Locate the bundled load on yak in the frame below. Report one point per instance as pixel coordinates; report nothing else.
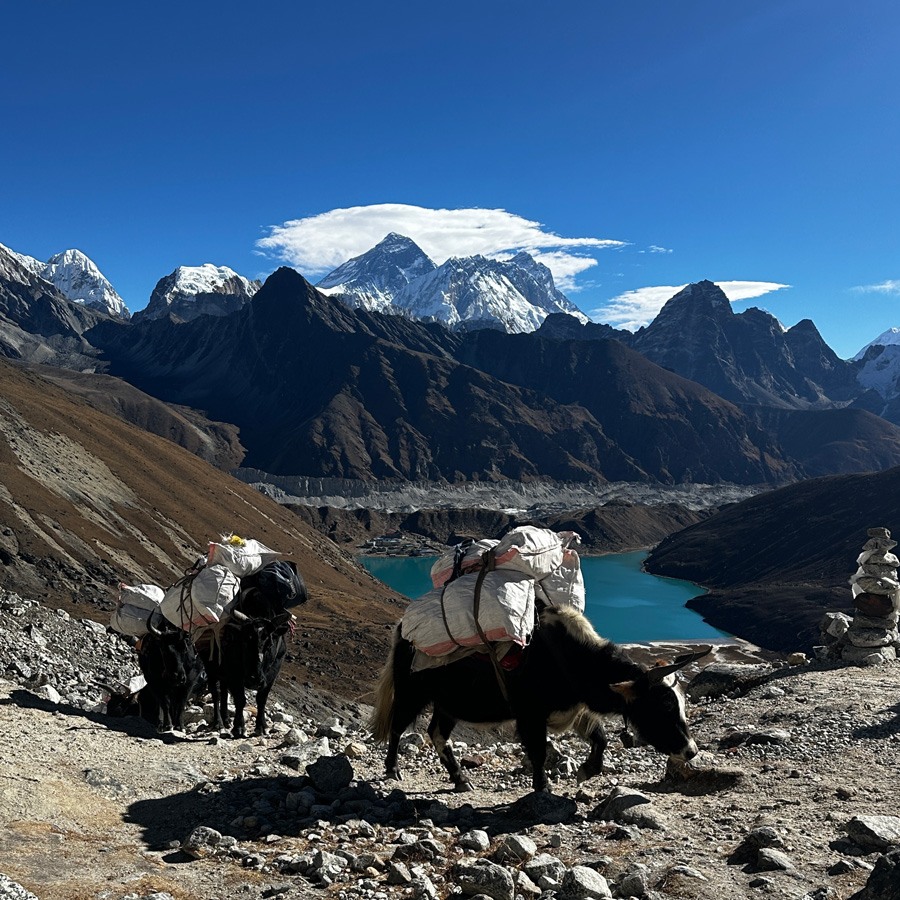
(486, 592)
(135, 604)
(234, 571)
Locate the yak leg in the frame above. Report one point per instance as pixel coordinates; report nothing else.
(165, 712)
(262, 695)
(238, 730)
(219, 695)
(533, 735)
(179, 702)
(439, 731)
(404, 712)
(591, 729)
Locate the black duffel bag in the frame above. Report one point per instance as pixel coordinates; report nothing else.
(275, 587)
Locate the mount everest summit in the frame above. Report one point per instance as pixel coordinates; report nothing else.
(464, 293)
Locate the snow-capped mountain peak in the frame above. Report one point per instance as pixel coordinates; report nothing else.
(77, 278)
(207, 279)
(192, 291)
(372, 279)
(885, 339)
(396, 276)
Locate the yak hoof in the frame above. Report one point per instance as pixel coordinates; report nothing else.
(393, 775)
(463, 787)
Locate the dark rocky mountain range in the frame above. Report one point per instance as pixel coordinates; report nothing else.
(88, 501)
(679, 430)
(747, 357)
(316, 387)
(777, 561)
(346, 394)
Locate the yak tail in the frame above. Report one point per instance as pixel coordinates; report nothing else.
(396, 667)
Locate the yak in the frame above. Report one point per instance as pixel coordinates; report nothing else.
(566, 670)
(170, 664)
(249, 654)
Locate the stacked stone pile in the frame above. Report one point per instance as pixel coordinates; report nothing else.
(870, 637)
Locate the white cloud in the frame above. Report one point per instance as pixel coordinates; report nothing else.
(891, 286)
(635, 308)
(639, 307)
(655, 248)
(747, 290)
(318, 244)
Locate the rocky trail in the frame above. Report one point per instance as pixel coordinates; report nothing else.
(794, 795)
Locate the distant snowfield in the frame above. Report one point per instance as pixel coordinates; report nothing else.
(508, 496)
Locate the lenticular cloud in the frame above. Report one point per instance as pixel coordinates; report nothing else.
(318, 244)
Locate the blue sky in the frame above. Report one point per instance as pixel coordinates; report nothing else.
(740, 142)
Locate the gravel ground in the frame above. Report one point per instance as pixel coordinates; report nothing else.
(97, 807)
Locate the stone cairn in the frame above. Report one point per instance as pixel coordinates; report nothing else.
(871, 636)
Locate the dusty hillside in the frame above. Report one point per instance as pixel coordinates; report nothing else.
(87, 501)
(95, 808)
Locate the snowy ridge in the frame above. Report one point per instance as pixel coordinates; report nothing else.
(35, 266)
(397, 277)
(192, 291)
(77, 278)
(885, 339)
(209, 279)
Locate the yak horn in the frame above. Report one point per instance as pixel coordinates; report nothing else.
(241, 617)
(658, 673)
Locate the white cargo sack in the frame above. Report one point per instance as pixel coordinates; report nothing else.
(564, 586)
(240, 556)
(506, 613)
(199, 601)
(133, 608)
(471, 561)
(535, 552)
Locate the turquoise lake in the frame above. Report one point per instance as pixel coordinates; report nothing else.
(624, 603)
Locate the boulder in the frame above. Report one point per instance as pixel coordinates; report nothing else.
(884, 882)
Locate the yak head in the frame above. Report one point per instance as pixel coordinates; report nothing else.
(167, 656)
(655, 705)
(259, 645)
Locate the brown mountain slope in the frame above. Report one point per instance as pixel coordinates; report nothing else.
(776, 561)
(87, 500)
(216, 442)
